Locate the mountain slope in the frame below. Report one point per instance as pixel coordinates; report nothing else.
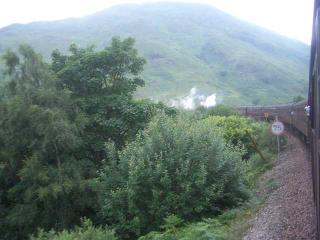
(186, 45)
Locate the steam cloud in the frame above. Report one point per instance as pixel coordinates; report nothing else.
(193, 100)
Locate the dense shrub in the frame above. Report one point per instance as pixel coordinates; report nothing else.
(176, 166)
(85, 232)
(208, 229)
(235, 130)
(241, 131)
(249, 136)
(220, 110)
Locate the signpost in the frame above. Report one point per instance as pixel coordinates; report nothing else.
(277, 129)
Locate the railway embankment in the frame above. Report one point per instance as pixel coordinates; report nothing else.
(288, 210)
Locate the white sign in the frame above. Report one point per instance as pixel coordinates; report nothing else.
(277, 128)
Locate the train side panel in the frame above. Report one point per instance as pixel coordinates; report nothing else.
(292, 115)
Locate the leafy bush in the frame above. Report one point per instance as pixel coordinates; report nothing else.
(85, 232)
(241, 131)
(221, 110)
(249, 136)
(171, 223)
(176, 166)
(209, 229)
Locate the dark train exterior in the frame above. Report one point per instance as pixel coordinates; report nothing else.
(292, 115)
(313, 101)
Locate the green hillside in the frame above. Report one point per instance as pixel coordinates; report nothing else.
(186, 45)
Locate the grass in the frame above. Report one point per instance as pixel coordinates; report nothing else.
(231, 225)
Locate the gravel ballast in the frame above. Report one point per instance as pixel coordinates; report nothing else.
(288, 212)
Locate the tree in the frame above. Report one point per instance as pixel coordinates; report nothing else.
(54, 123)
(102, 84)
(41, 173)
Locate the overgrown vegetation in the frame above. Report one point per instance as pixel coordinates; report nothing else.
(298, 99)
(218, 110)
(54, 122)
(180, 167)
(85, 232)
(230, 224)
(76, 149)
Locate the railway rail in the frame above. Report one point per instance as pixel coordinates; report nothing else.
(307, 124)
(297, 119)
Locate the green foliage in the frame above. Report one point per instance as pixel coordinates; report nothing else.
(218, 110)
(232, 223)
(55, 120)
(171, 223)
(114, 70)
(255, 165)
(236, 130)
(209, 229)
(186, 45)
(102, 84)
(248, 135)
(69, 148)
(298, 99)
(41, 171)
(85, 232)
(176, 166)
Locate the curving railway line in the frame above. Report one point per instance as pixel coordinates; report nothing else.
(295, 116)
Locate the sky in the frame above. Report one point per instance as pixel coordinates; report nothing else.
(291, 18)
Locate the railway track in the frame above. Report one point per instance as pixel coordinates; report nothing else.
(296, 119)
(307, 125)
(288, 210)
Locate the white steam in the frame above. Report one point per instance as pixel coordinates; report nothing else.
(193, 100)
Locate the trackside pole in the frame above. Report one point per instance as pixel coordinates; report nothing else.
(278, 143)
(277, 129)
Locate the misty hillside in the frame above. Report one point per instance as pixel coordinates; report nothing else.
(186, 45)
